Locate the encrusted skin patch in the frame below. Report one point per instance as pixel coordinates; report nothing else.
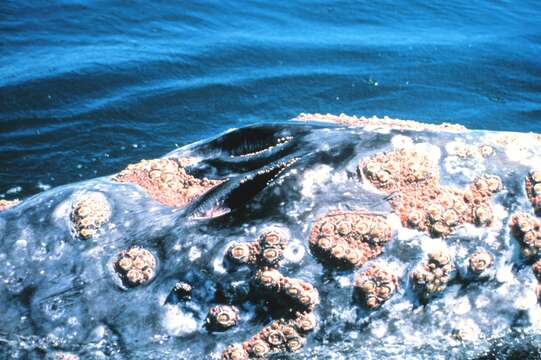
(375, 286)
(532, 184)
(431, 277)
(349, 239)
(135, 266)
(266, 251)
(7, 204)
(385, 122)
(89, 212)
(167, 181)
(421, 202)
(527, 230)
(297, 295)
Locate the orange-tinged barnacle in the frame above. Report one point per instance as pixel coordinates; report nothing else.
(339, 251)
(222, 317)
(139, 263)
(529, 237)
(483, 215)
(354, 256)
(294, 344)
(84, 211)
(269, 279)
(235, 352)
(272, 255)
(325, 243)
(275, 338)
(343, 227)
(259, 348)
(435, 211)
(372, 168)
(524, 223)
(368, 286)
(327, 228)
(479, 261)
(415, 217)
(486, 150)
(362, 226)
(305, 322)
(450, 217)
(372, 302)
(535, 175)
(273, 237)
(494, 183)
(134, 276)
(239, 252)
(383, 176)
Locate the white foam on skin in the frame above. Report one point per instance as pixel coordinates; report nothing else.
(314, 178)
(178, 323)
(401, 141)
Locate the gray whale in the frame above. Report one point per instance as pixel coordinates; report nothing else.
(458, 240)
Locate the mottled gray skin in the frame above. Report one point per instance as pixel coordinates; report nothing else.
(60, 293)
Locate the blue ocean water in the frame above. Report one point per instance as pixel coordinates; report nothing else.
(87, 87)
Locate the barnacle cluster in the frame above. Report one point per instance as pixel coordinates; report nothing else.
(526, 230)
(135, 266)
(533, 189)
(385, 122)
(349, 238)
(375, 286)
(182, 291)
(279, 336)
(422, 202)
(266, 251)
(167, 181)
(431, 277)
(88, 213)
(463, 150)
(222, 317)
(6, 204)
(297, 295)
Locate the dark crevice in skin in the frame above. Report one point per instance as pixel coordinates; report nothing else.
(248, 141)
(236, 193)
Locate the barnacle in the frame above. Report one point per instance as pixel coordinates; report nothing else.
(422, 202)
(375, 286)
(269, 280)
(88, 214)
(349, 238)
(235, 352)
(243, 253)
(167, 181)
(479, 262)
(135, 266)
(222, 317)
